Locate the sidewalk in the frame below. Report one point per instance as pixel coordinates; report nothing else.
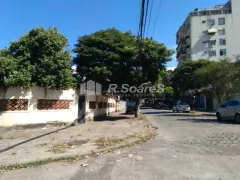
(202, 113)
(62, 141)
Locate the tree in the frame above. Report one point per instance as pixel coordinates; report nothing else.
(13, 74)
(111, 56)
(38, 58)
(184, 79)
(221, 78)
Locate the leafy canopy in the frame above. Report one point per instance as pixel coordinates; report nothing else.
(111, 56)
(183, 77)
(221, 78)
(38, 58)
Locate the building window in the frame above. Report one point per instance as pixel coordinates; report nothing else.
(221, 21)
(212, 42)
(13, 104)
(222, 42)
(228, 11)
(216, 12)
(223, 52)
(100, 105)
(222, 32)
(211, 22)
(203, 22)
(204, 13)
(53, 104)
(92, 105)
(104, 105)
(212, 53)
(194, 14)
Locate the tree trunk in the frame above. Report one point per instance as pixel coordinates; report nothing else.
(137, 108)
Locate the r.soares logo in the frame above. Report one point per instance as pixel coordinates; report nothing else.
(125, 89)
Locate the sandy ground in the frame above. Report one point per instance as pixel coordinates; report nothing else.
(59, 140)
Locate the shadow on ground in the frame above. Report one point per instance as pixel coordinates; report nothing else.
(186, 114)
(162, 112)
(31, 139)
(113, 118)
(103, 118)
(208, 120)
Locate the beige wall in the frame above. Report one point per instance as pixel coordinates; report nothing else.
(91, 113)
(33, 115)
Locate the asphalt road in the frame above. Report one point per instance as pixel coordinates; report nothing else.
(187, 148)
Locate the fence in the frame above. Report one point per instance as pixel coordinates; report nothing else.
(37, 105)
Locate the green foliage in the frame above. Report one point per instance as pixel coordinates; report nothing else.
(183, 77)
(169, 90)
(221, 78)
(38, 58)
(12, 73)
(111, 56)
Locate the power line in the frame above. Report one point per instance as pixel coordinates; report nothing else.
(140, 32)
(146, 14)
(150, 16)
(140, 11)
(159, 6)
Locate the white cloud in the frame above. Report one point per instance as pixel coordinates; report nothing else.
(74, 69)
(171, 68)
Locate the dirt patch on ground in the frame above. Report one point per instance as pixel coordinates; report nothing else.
(21, 145)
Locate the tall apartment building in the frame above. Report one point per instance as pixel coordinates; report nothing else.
(212, 33)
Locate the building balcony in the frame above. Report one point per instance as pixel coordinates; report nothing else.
(182, 53)
(182, 29)
(188, 41)
(181, 45)
(182, 33)
(187, 37)
(188, 46)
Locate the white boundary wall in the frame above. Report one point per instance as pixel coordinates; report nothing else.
(33, 115)
(91, 113)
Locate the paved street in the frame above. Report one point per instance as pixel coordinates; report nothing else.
(187, 147)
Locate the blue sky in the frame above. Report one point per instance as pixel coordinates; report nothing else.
(76, 18)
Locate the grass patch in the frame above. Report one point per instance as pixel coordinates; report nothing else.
(61, 148)
(105, 142)
(1, 137)
(41, 162)
(141, 117)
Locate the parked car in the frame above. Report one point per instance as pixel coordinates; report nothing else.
(181, 106)
(229, 111)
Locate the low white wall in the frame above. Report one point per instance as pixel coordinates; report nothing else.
(91, 113)
(122, 105)
(33, 115)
